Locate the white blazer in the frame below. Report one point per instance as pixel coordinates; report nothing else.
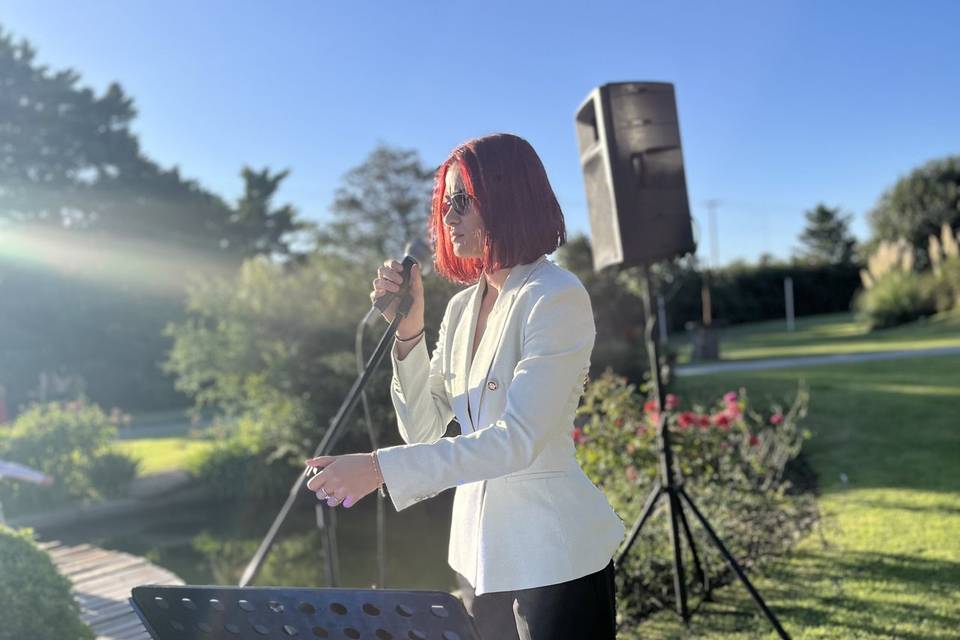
(524, 513)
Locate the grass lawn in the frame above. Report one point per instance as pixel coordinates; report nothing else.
(826, 334)
(163, 454)
(885, 562)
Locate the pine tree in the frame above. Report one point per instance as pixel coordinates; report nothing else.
(827, 238)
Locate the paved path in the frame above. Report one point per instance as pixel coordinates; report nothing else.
(102, 582)
(807, 361)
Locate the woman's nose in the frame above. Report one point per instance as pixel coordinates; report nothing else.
(449, 216)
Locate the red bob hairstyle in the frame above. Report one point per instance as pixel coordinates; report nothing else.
(516, 203)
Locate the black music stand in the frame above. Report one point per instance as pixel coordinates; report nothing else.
(255, 613)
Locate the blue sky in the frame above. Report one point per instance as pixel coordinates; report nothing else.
(781, 104)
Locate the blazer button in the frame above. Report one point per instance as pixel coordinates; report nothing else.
(492, 385)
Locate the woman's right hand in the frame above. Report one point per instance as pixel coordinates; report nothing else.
(389, 277)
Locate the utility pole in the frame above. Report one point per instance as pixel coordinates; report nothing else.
(705, 346)
(712, 206)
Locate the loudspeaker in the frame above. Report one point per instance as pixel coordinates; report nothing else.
(629, 139)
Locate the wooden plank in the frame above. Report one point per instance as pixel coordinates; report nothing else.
(61, 553)
(90, 559)
(127, 574)
(114, 565)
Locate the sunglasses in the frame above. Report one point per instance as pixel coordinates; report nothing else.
(457, 201)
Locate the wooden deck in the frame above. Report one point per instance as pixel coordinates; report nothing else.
(102, 581)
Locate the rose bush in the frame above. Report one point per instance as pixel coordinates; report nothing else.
(736, 461)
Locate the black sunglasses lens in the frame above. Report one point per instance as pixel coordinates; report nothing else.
(457, 201)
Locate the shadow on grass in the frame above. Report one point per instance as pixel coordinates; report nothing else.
(840, 594)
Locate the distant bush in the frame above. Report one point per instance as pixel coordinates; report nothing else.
(243, 467)
(36, 599)
(111, 472)
(750, 293)
(895, 298)
(739, 293)
(70, 442)
(946, 286)
(893, 292)
(944, 254)
(735, 460)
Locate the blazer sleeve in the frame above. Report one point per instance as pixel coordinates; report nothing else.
(417, 391)
(557, 343)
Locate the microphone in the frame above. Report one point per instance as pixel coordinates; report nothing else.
(417, 252)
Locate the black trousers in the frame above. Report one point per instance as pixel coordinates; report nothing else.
(581, 609)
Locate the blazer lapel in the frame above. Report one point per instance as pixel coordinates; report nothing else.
(476, 372)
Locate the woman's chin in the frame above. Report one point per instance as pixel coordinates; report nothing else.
(463, 253)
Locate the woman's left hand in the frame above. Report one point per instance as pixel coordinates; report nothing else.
(345, 479)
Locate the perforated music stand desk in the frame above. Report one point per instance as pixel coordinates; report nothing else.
(258, 613)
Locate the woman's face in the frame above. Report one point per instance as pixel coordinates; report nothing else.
(466, 227)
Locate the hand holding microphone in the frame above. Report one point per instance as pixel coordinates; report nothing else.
(389, 280)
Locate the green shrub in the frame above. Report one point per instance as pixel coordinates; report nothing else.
(111, 472)
(237, 469)
(946, 285)
(65, 441)
(36, 599)
(734, 460)
(895, 298)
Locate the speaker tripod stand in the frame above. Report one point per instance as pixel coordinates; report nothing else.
(670, 485)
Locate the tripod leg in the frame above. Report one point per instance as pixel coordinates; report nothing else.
(702, 575)
(635, 531)
(736, 567)
(679, 577)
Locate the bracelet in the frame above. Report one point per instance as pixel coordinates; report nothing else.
(411, 337)
(376, 468)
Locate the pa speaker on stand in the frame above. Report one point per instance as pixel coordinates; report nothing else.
(632, 162)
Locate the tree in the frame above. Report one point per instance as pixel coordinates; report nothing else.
(113, 237)
(255, 228)
(919, 204)
(382, 204)
(69, 160)
(827, 238)
(57, 139)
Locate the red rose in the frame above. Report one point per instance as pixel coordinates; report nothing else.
(686, 419)
(721, 420)
(577, 435)
(754, 440)
(776, 419)
(672, 401)
(650, 406)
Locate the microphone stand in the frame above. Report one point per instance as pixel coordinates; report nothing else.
(329, 438)
(381, 502)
